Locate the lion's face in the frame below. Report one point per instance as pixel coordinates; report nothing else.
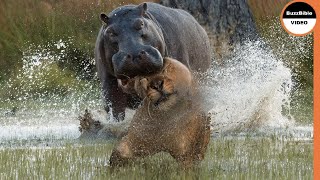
(162, 89)
(158, 89)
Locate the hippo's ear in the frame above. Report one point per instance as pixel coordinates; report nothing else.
(143, 8)
(104, 18)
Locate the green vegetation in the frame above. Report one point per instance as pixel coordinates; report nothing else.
(225, 159)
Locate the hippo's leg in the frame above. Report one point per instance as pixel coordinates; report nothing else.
(115, 98)
(133, 101)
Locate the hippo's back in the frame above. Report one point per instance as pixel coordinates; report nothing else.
(185, 39)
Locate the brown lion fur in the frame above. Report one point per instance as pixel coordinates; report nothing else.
(169, 119)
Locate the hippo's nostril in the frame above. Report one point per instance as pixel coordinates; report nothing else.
(142, 52)
(129, 56)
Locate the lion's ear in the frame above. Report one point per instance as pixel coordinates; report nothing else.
(166, 64)
(104, 18)
(168, 68)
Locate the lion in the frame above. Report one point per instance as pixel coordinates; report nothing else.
(169, 119)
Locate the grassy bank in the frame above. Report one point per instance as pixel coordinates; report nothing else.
(225, 159)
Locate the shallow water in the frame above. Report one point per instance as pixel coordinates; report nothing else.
(254, 134)
(248, 95)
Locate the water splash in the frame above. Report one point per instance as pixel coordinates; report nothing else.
(249, 94)
(44, 100)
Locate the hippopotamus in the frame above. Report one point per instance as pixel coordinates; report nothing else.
(133, 41)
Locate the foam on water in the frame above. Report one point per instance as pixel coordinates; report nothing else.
(41, 132)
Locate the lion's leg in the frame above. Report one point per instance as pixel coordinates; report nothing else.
(203, 138)
(182, 150)
(191, 144)
(130, 148)
(122, 153)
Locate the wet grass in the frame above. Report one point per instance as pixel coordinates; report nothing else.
(302, 105)
(226, 158)
(42, 22)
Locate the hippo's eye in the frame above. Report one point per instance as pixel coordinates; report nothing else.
(115, 47)
(138, 24)
(111, 33)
